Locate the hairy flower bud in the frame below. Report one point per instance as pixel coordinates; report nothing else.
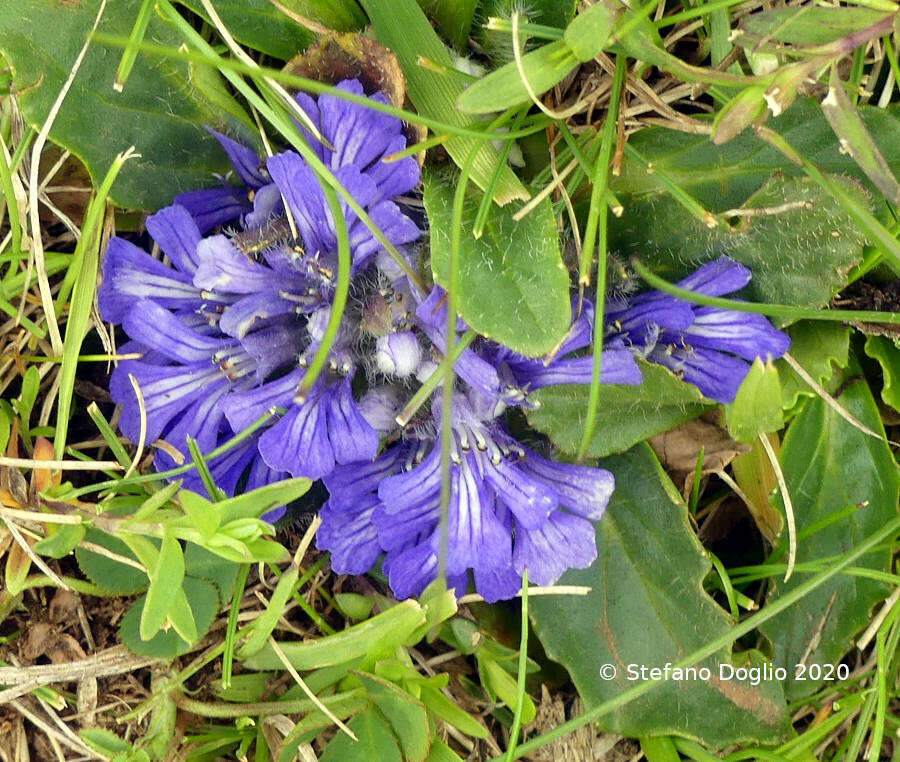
(398, 354)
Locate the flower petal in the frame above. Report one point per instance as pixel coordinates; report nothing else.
(352, 439)
(214, 206)
(581, 489)
(299, 442)
(177, 234)
(350, 536)
(563, 542)
(160, 330)
(129, 274)
(244, 160)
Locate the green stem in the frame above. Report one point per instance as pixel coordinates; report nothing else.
(778, 310)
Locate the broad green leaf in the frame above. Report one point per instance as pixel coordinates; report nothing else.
(830, 466)
(723, 177)
(757, 407)
(5, 426)
(626, 415)
(799, 256)
(159, 112)
(111, 575)
(354, 605)
(62, 541)
(379, 635)
(887, 352)
(820, 347)
(260, 25)
(181, 618)
(165, 581)
(647, 607)
(315, 722)
(203, 601)
(513, 286)
(808, 25)
(856, 140)
(376, 741)
(401, 26)
(406, 715)
(31, 383)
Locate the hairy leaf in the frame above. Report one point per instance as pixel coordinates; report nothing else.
(831, 466)
(626, 415)
(513, 286)
(647, 608)
(160, 112)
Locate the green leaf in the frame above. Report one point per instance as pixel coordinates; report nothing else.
(200, 563)
(260, 501)
(757, 407)
(513, 286)
(589, 31)
(440, 706)
(260, 25)
(887, 352)
(626, 415)
(264, 625)
(856, 140)
(819, 347)
(62, 542)
(165, 581)
(440, 752)
(354, 605)
(200, 512)
(406, 715)
(805, 266)
(107, 573)
(159, 112)
(376, 741)
(203, 601)
(647, 607)
(502, 88)
(805, 26)
(453, 18)
(723, 177)
(401, 26)
(498, 682)
(31, 383)
(379, 635)
(104, 741)
(830, 466)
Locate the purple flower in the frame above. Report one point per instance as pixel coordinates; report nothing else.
(228, 325)
(706, 346)
(571, 363)
(510, 509)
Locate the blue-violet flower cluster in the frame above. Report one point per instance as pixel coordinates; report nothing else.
(227, 324)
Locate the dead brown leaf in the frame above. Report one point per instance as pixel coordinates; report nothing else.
(679, 449)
